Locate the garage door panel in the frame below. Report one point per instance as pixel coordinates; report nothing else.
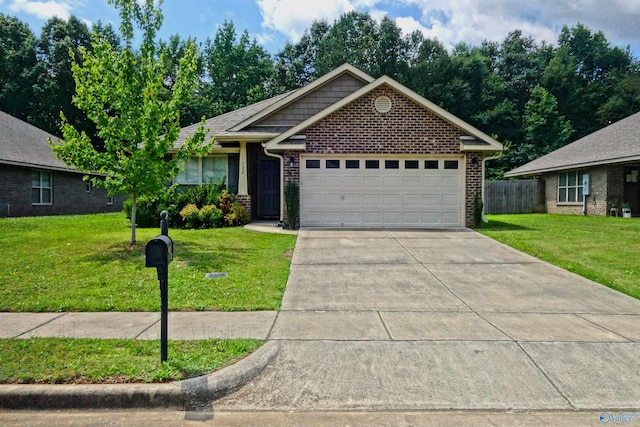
(371, 200)
(381, 197)
(431, 182)
(410, 200)
(411, 182)
(372, 181)
(392, 182)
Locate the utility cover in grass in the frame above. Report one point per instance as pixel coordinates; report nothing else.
(216, 275)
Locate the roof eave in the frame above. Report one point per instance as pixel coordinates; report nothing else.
(628, 159)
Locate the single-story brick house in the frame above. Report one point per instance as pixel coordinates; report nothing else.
(33, 181)
(609, 158)
(365, 152)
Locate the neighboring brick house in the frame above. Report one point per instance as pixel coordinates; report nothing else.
(609, 158)
(33, 181)
(365, 152)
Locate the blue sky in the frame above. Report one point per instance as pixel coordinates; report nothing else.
(273, 22)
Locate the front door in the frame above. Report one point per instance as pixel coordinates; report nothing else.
(269, 188)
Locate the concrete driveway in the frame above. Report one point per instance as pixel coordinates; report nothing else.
(424, 320)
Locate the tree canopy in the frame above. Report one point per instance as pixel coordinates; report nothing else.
(504, 88)
(122, 92)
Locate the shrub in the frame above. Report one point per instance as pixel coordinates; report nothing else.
(211, 216)
(190, 216)
(291, 196)
(237, 215)
(225, 202)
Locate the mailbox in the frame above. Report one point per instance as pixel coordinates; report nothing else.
(159, 252)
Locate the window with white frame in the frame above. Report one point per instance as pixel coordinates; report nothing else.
(41, 187)
(203, 170)
(570, 187)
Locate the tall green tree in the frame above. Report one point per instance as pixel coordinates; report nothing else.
(120, 91)
(18, 67)
(55, 86)
(236, 71)
(544, 128)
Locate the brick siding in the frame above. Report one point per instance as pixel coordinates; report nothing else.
(407, 128)
(69, 195)
(605, 181)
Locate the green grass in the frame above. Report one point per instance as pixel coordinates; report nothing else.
(82, 361)
(85, 263)
(603, 249)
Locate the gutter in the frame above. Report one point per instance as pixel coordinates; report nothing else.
(484, 160)
(278, 156)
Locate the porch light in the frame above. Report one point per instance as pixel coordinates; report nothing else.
(291, 161)
(474, 162)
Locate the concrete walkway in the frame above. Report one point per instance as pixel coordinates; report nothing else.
(431, 320)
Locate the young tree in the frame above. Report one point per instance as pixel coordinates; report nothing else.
(121, 93)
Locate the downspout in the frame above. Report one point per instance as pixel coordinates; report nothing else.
(278, 156)
(494, 157)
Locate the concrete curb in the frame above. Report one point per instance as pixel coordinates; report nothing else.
(195, 394)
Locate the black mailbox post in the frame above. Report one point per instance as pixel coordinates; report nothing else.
(159, 254)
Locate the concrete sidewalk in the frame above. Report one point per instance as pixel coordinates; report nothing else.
(144, 326)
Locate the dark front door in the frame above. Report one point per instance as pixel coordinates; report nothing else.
(269, 188)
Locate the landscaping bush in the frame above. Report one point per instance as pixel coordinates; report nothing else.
(190, 216)
(237, 215)
(211, 216)
(218, 208)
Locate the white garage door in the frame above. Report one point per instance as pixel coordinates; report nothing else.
(381, 192)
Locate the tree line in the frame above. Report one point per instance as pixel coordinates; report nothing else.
(533, 97)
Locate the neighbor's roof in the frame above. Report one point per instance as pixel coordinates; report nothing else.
(25, 145)
(616, 143)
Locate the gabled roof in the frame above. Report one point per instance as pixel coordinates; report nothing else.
(616, 143)
(219, 125)
(482, 142)
(25, 145)
(293, 96)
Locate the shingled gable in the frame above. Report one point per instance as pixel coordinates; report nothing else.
(475, 141)
(250, 123)
(616, 143)
(22, 144)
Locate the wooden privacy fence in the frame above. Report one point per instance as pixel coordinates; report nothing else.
(514, 197)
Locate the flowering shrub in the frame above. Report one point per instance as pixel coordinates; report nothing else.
(211, 216)
(237, 215)
(190, 216)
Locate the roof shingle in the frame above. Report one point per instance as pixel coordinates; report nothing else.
(616, 143)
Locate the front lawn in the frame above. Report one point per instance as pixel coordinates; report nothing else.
(603, 249)
(85, 263)
(85, 361)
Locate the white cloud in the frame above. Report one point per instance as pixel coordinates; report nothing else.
(42, 9)
(473, 21)
(469, 21)
(293, 17)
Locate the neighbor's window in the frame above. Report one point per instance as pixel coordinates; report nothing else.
(203, 170)
(41, 188)
(570, 187)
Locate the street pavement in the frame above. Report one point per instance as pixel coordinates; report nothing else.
(404, 321)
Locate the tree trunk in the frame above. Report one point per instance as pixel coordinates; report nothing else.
(133, 219)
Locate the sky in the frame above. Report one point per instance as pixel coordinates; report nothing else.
(274, 22)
